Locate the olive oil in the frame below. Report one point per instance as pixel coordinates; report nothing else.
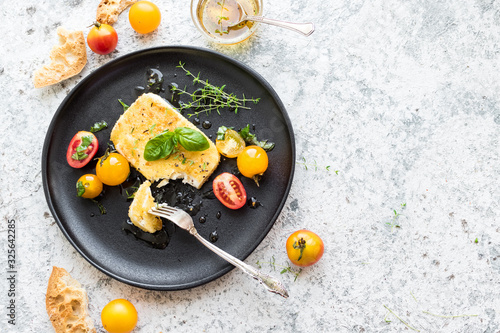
(217, 18)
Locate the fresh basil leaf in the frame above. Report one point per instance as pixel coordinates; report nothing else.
(252, 139)
(80, 189)
(99, 126)
(191, 140)
(125, 106)
(159, 147)
(221, 132)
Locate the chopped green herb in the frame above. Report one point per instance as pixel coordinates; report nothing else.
(102, 209)
(80, 151)
(80, 189)
(86, 141)
(99, 126)
(152, 128)
(131, 194)
(135, 144)
(125, 106)
(252, 139)
(221, 132)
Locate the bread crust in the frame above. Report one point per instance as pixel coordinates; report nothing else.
(108, 10)
(66, 303)
(66, 59)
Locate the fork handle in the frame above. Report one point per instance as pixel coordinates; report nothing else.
(270, 283)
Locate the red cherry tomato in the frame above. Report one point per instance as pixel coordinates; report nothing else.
(304, 248)
(229, 190)
(102, 38)
(81, 149)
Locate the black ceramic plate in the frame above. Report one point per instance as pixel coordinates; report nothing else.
(184, 263)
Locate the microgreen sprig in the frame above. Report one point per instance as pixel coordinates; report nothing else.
(222, 18)
(283, 268)
(401, 320)
(130, 192)
(210, 97)
(394, 222)
(314, 165)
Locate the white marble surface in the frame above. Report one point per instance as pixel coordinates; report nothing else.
(402, 98)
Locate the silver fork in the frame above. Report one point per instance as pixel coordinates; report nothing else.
(184, 220)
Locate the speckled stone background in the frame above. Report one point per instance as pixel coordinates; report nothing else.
(399, 98)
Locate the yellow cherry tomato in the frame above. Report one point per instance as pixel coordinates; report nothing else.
(232, 144)
(252, 161)
(112, 169)
(88, 186)
(119, 316)
(304, 248)
(144, 17)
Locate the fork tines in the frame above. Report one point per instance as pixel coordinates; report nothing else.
(164, 208)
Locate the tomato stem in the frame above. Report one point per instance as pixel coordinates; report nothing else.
(257, 178)
(300, 244)
(95, 24)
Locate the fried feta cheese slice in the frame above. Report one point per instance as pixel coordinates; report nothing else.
(138, 210)
(148, 116)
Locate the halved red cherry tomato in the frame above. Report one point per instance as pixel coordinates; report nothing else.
(102, 38)
(229, 190)
(304, 248)
(81, 149)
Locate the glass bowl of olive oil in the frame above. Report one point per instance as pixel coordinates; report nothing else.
(213, 18)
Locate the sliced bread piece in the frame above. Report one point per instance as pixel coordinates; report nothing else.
(108, 10)
(66, 59)
(66, 302)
